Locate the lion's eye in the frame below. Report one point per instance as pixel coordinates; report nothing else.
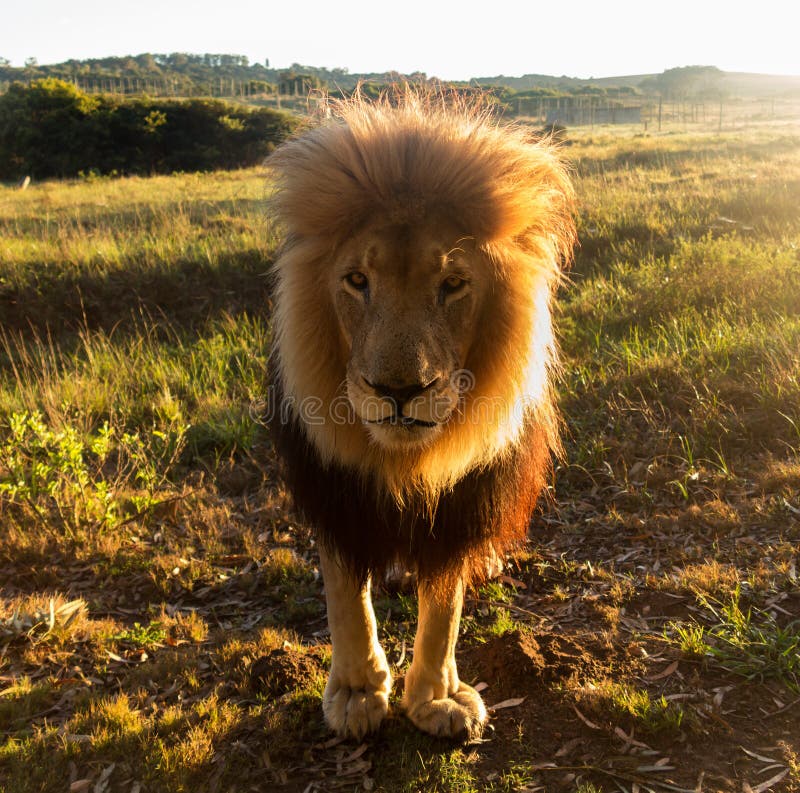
(357, 280)
(451, 285)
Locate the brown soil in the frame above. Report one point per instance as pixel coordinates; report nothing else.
(522, 660)
(572, 736)
(282, 671)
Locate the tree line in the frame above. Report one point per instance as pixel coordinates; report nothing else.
(219, 74)
(186, 74)
(209, 74)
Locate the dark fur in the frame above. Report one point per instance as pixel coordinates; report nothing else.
(488, 510)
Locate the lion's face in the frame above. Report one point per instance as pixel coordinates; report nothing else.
(407, 299)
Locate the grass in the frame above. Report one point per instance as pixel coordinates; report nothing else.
(679, 312)
(185, 245)
(651, 715)
(743, 640)
(148, 559)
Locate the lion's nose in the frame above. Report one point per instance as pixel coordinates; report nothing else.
(399, 394)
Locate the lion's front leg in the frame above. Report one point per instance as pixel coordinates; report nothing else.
(435, 699)
(356, 697)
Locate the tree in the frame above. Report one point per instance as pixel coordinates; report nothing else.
(684, 82)
(42, 129)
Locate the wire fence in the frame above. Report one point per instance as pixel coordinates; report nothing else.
(653, 113)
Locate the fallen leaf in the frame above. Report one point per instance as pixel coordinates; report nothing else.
(115, 657)
(568, 747)
(664, 672)
(508, 703)
(770, 782)
(515, 582)
(102, 783)
(586, 721)
(629, 739)
(360, 767)
(758, 756)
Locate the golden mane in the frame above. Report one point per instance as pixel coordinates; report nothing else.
(398, 161)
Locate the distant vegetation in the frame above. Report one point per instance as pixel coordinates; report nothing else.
(157, 113)
(211, 74)
(186, 74)
(51, 128)
(182, 74)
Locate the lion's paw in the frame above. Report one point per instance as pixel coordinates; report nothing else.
(353, 711)
(461, 716)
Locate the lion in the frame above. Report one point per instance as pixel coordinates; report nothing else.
(412, 371)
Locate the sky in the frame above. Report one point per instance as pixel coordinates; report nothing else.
(450, 40)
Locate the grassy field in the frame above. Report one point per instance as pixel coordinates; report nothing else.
(162, 623)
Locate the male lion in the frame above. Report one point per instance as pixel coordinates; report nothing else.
(411, 371)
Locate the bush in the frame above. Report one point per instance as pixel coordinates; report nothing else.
(52, 129)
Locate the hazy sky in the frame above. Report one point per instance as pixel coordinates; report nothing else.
(445, 39)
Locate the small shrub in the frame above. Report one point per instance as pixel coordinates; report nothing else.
(75, 482)
(143, 635)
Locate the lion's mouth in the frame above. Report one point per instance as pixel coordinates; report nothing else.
(406, 422)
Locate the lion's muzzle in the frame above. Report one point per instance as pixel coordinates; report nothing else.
(404, 413)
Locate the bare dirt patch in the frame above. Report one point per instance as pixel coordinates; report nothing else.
(283, 670)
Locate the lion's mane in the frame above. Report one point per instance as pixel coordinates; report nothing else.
(470, 492)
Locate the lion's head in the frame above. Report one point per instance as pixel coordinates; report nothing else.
(412, 311)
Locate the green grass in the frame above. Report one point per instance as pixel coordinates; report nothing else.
(137, 480)
(671, 306)
(637, 706)
(187, 246)
(744, 640)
